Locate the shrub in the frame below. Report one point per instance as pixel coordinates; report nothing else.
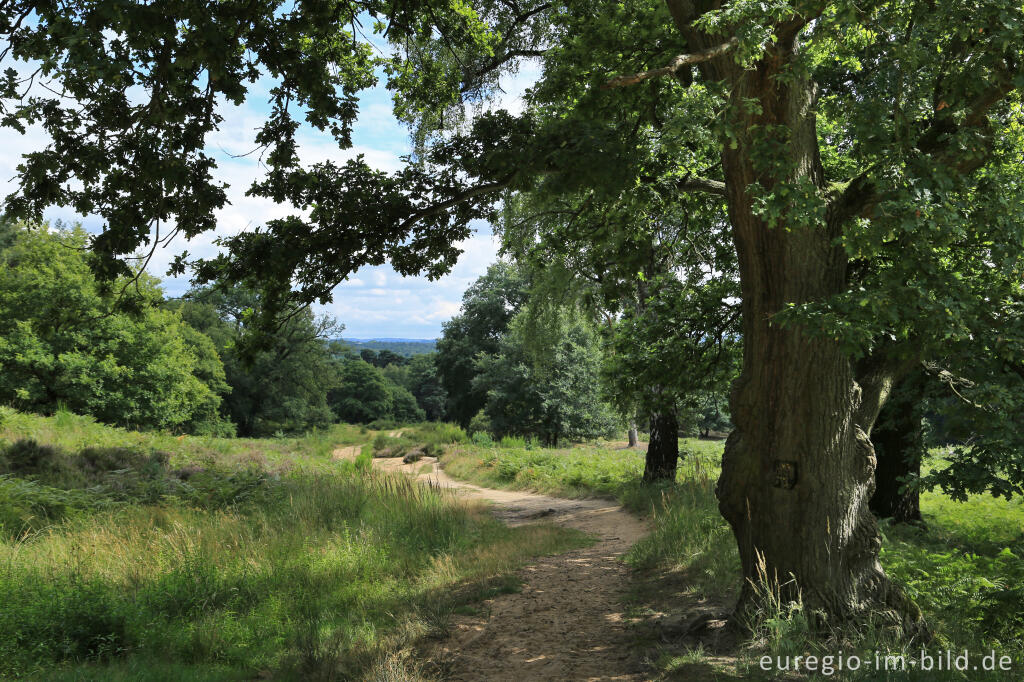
(437, 432)
(390, 446)
(482, 438)
(96, 460)
(27, 506)
(26, 456)
(219, 489)
(479, 422)
(59, 483)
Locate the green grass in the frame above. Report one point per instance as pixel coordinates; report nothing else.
(158, 557)
(580, 471)
(428, 438)
(965, 569)
(74, 432)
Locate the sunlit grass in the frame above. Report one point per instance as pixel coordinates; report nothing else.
(314, 569)
(74, 432)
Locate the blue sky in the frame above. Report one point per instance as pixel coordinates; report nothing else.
(376, 301)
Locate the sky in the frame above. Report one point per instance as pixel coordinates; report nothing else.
(376, 302)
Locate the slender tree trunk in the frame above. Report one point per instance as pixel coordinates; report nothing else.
(898, 438)
(662, 448)
(632, 434)
(798, 469)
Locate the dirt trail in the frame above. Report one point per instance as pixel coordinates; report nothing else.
(567, 622)
(350, 452)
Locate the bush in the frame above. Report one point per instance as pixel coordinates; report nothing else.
(437, 432)
(27, 506)
(53, 484)
(390, 446)
(480, 422)
(219, 489)
(482, 438)
(97, 460)
(27, 457)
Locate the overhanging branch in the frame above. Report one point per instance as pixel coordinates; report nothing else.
(443, 206)
(675, 66)
(694, 184)
(496, 62)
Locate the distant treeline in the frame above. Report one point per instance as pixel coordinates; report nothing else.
(404, 347)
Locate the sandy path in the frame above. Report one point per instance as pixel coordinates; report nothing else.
(350, 452)
(567, 622)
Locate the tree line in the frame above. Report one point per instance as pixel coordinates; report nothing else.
(512, 362)
(126, 354)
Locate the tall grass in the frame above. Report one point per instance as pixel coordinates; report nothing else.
(309, 569)
(579, 471)
(76, 432)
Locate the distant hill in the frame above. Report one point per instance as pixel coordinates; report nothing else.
(406, 347)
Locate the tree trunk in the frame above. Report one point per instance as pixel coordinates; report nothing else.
(662, 448)
(798, 469)
(898, 438)
(632, 434)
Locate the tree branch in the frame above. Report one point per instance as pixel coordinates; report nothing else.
(859, 196)
(454, 201)
(675, 66)
(472, 82)
(695, 184)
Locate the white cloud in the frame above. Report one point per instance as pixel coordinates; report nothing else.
(412, 307)
(443, 311)
(375, 302)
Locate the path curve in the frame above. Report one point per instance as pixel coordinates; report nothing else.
(567, 622)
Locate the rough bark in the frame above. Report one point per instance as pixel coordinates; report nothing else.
(662, 448)
(798, 469)
(898, 438)
(632, 435)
